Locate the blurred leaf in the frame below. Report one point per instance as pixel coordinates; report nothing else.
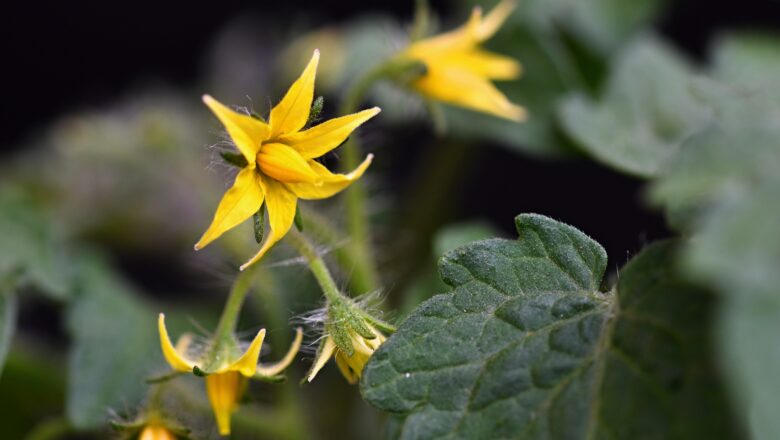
(604, 25)
(31, 388)
(8, 313)
(647, 111)
(748, 60)
(748, 333)
(730, 159)
(746, 229)
(114, 345)
(724, 187)
(29, 247)
(525, 346)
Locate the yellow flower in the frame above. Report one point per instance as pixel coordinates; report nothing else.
(351, 367)
(458, 71)
(225, 381)
(280, 161)
(156, 432)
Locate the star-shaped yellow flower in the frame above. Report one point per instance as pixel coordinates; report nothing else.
(459, 72)
(281, 165)
(226, 381)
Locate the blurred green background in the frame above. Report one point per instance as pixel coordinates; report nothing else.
(110, 171)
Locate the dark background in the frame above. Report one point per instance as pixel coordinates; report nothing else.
(59, 57)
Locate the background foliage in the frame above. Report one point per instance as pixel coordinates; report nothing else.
(535, 337)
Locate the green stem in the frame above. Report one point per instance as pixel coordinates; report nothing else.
(51, 429)
(401, 70)
(365, 276)
(316, 265)
(223, 336)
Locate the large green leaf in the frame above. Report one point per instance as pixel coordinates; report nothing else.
(29, 246)
(647, 111)
(724, 187)
(748, 60)
(114, 345)
(526, 346)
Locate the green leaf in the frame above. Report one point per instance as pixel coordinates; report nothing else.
(8, 313)
(729, 160)
(748, 60)
(114, 345)
(525, 346)
(748, 332)
(29, 246)
(604, 25)
(647, 111)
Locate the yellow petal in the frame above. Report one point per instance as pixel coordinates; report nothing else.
(154, 432)
(330, 183)
(247, 132)
(278, 367)
(247, 363)
(495, 19)
(318, 140)
(176, 360)
(346, 369)
(483, 63)
(284, 164)
(462, 38)
(224, 390)
(325, 352)
(466, 89)
(292, 112)
(237, 205)
(281, 204)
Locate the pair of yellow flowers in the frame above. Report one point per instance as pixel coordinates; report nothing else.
(281, 168)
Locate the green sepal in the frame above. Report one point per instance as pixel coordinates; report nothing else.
(124, 426)
(298, 220)
(198, 372)
(279, 378)
(341, 338)
(379, 324)
(259, 219)
(316, 110)
(233, 158)
(422, 20)
(163, 378)
(406, 71)
(357, 323)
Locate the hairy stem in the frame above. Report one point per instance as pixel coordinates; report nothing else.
(316, 265)
(229, 318)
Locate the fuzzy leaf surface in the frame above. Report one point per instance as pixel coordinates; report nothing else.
(526, 346)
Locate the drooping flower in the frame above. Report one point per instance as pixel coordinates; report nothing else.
(226, 371)
(156, 432)
(350, 364)
(459, 72)
(280, 161)
(351, 335)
